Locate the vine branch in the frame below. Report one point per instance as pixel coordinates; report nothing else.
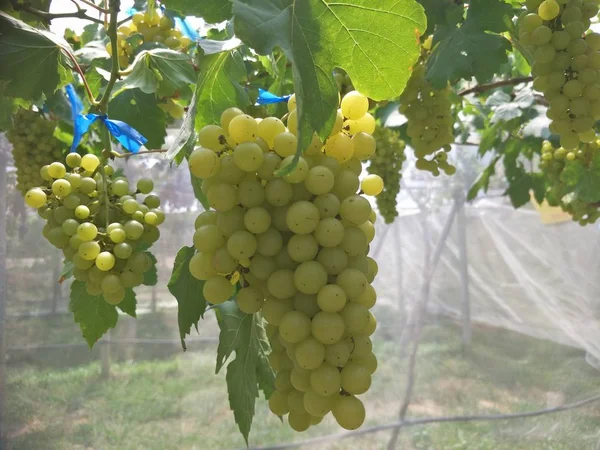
(93, 5)
(78, 69)
(114, 7)
(485, 87)
(79, 14)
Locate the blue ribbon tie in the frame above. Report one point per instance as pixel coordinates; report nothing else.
(128, 137)
(267, 98)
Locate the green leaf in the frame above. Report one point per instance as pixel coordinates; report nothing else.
(91, 51)
(129, 303)
(212, 11)
(94, 316)
(151, 276)
(164, 71)
(30, 59)
(142, 112)
(188, 292)
(218, 86)
(483, 181)
(375, 42)
(250, 370)
(518, 189)
(440, 13)
(92, 32)
(186, 136)
(583, 180)
(210, 47)
(469, 50)
(67, 270)
(197, 187)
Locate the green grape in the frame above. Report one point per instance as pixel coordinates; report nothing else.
(317, 405)
(327, 328)
(355, 379)
(299, 421)
(208, 238)
(230, 221)
(367, 298)
(243, 128)
(269, 128)
(222, 197)
(204, 163)
(105, 261)
(299, 173)
(274, 309)
(241, 244)
(338, 354)
(111, 283)
(302, 247)
(269, 243)
(310, 277)
(300, 378)
(354, 105)
(278, 403)
(133, 229)
(250, 300)
(87, 231)
(302, 217)
(271, 162)
(329, 232)
(349, 412)
(206, 218)
(123, 250)
(334, 260)
(73, 160)
(355, 209)
(145, 185)
(319, 180)
(114, 298)
(346, 184)
(248, 156)
(285, 144)
(262, 266)
(61, 188)
(251, 193)
(228, 115)
(90, 162)
(200, 266)
(355, 318)
(328, 205)
(257, 220)
(294, 326)
(331, 298)
(309, 353)
(217, 289)
(340, 147)
(36, 198)
(325, 380)
(281, 284)
(89, 250)
(278, 192)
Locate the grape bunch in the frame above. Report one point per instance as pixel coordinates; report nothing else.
(298, 245)
(101, 227)
(387, 163)
(430, 120)
(34, 145)
(151, 27)
(566, 65)
(561, 192)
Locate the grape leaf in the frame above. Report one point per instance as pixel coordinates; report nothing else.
(583, 180)
(141, 111)
(161, 70)
(30, 59)
(186, 136)
(151, 276)
(441, 12)
(129, 303)
(91, 51)
(94, 316)
(376, 43)
(212, 11)
(218, 86)
(469, 50)
(250, 370)
(188, 292)
(210, 47)
(483, 181)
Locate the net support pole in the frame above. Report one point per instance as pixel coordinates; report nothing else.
(463, 261)
(4, 149)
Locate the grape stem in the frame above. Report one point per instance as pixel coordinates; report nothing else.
(142, 152)
(107, 150)
(485, 87)
(78, 69)
(80, 13)
(114, 6)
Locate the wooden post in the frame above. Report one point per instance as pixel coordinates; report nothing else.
(461, 228)
(56, 286)
(4, 149)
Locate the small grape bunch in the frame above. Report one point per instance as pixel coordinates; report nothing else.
(561, 192)
(297, 245)
(34, 145)
(430, 121)
(150, 26)
(99, 223)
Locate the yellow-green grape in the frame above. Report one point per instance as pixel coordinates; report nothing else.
(269, 128)
(217, 289)
(36, 198)
(372, 185)
(349, 411)
(90, 162)
(204, 163)
(248, 156)
(340, 147)
(285, 144)
(212, 137)
(243, 128)
(354, 105)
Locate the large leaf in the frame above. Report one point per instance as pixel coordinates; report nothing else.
(213, 11)
(470, 50)
(94, 316)
(160, 70)
(30, 59)
(186, 136)
(218, 86)
(151, 276)
(129, 303)
(188, 292)
(375, 42)
(250, 370)
(142, 112)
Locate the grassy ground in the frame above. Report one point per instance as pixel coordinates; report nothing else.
(159, 398)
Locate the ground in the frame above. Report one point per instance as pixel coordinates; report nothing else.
(160, 398)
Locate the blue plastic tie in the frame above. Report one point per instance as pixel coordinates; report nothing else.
(128, 137)
(267, 98)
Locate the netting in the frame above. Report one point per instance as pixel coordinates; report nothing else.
(533, 298)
